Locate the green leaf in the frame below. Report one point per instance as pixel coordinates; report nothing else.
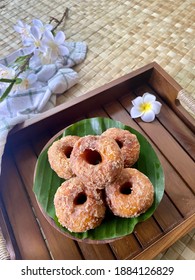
(7, 80)
(46, 181)
(21, 59)
(18, 81)
(7, 91)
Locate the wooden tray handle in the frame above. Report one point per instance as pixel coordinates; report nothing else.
(187, 101)
(186, 107)
(177, 98)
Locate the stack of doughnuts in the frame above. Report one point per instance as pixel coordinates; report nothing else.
(99, 174)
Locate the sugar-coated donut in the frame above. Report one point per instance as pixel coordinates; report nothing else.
(131, 194)
(59, 156)
(96, 160)
(77, 207)
(128, 143)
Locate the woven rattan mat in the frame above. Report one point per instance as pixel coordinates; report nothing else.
(121, 36)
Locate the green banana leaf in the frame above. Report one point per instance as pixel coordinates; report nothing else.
(46, 182)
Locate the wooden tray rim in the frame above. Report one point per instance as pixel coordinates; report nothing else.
(90, 94)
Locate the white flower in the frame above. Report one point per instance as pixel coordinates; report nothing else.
(6, 73)
(54, 45)
(28, 80)
(38, 40)
(145, 107)
(42, 58)
(33, 41)
(42, 28)
(23, 29)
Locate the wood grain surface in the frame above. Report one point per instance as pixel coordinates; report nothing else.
(170, 135)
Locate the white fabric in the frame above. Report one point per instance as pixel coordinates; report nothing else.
(52, 79)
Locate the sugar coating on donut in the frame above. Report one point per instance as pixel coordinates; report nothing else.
(128, 143)
(131, 194)
(96, 160)
(59, 156)
(77, 207)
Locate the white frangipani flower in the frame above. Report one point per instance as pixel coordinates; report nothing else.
(40, 47)
(6, 73)
(145, 107)
(54, 45)
(23, 29)
(48, 48)
(28, 80)
(39, 42)
(42, 27)
(33, 41)
(43, 58)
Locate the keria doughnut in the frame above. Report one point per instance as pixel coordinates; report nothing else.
(131, 194)
(59, 156)
(96, 160)
(77, 207)
(128, 143)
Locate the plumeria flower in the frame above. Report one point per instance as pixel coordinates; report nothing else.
(6, 73)
(54, 45)
(33, 41)
(145, 107)
(40, 58)
(28, 80)
(42, 27)
(23, 29)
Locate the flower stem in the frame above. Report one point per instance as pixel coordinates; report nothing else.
(64, 16)
(25, 64)
(16, 79)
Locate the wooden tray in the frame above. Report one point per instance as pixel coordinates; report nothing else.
(172, 136)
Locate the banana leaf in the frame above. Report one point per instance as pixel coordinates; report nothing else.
(47, 182)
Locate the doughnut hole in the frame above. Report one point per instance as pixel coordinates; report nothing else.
(68, 151)
(80, 199)
(126, 188)
(120, 143)
(92, 157)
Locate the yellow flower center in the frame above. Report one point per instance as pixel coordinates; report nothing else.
(4, 73)
(24, 84)
(53, 46)
(37, 43)
(145, 107)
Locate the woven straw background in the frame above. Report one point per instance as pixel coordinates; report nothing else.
(121, 36)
